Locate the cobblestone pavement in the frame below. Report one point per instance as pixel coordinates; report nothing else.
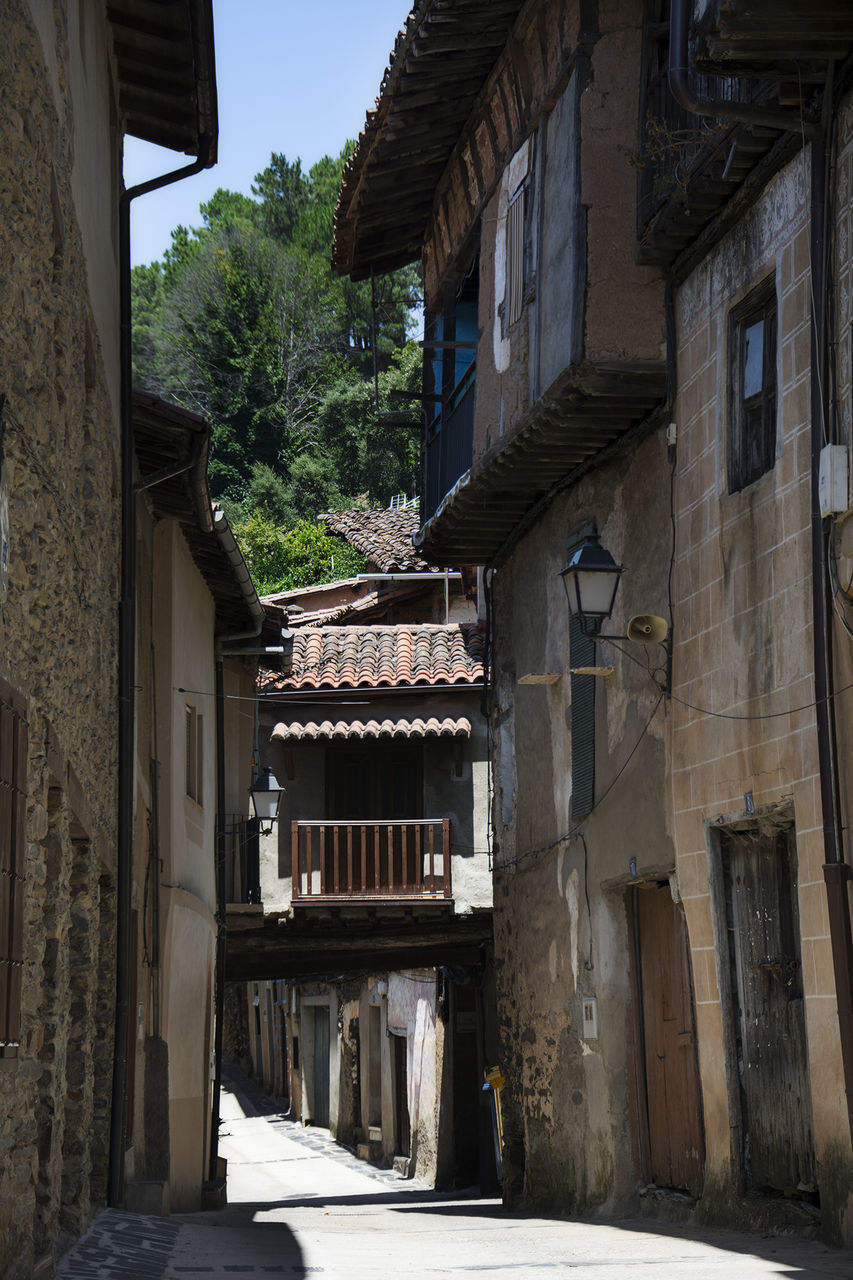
(300, 1205)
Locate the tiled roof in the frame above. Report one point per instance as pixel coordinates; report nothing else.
(380, 657)
(384, 536)
(448, 727)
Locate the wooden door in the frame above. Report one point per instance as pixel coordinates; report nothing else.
(668, 1106)
(767, 1009)
(402, 1123)
(321, 1066)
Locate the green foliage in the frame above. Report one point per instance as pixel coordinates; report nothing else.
(244, 323)
(303, 556)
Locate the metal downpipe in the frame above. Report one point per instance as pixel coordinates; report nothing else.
(127, 673)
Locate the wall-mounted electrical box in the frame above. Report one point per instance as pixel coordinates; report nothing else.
(833, 481)
(590, 1018)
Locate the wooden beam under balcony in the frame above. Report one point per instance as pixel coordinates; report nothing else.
(586, 410)
(349, 938)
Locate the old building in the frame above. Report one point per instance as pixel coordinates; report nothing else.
(641, 349)
(196, 606)
(379, 868)
(74, 79)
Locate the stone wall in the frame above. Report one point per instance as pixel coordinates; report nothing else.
(57, 648)
(743, 581)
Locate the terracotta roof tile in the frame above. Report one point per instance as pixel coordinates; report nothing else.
(384, 536)
(431, 727)
(375, 657)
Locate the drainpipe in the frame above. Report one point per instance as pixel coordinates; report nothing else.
(837, 873)
(743, 113)
(229, 545)
(127, 671)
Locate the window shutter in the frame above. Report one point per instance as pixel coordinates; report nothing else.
(13, 784)
(515, 258)
(582, 654)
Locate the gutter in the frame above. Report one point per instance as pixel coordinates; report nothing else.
(127, 668)
(837, 872)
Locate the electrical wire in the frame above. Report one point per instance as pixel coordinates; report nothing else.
(576, 832)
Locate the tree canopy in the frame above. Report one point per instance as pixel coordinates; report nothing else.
(244, 322)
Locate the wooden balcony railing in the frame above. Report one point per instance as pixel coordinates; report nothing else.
(367, 861)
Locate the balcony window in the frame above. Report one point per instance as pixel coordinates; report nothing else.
(450, 349)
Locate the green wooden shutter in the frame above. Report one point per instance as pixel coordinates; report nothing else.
(582, 654)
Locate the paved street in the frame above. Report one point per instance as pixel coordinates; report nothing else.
(299, 1205)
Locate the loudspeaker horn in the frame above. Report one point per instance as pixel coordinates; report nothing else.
(647, 628)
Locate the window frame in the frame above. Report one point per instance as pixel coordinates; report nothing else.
(194, 754)
(752, 431)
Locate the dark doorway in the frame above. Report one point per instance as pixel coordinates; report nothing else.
(466, 1084)
(667, 1097)
(402, 1124)
(321, 1066)
(375, 781)
(770, 1057)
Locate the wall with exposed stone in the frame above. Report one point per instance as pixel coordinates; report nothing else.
(58, 617)
(560, 885)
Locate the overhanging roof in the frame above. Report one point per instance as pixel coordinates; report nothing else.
(439, 64)
(583, 412)
(172, 446)
(372, 730)
(166, 72)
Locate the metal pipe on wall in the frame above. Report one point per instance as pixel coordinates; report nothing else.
(127, 670)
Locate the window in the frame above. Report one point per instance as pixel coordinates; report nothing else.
(194, 722)
(752, 387)
(13, 783)
(516, 257)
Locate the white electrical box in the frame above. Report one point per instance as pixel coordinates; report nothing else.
(833, 482)
(590, 1018)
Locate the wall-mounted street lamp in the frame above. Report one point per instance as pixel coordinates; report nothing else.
(591, 579)
(266, 793)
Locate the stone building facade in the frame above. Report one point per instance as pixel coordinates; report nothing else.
(59, 645)
(659, 359)
(63, 112)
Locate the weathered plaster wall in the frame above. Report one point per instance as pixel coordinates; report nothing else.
(561, 933)
(57, 628)
(412, 1013)
(565, 112)
(184, 626)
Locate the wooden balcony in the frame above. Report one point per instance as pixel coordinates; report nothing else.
(371, 861)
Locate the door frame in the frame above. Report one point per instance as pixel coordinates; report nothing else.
(780, 816)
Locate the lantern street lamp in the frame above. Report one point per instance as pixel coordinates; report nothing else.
(590, 580)
(266, 793)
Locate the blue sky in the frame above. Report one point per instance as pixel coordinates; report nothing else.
(292, 76)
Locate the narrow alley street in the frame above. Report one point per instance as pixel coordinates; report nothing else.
(301, 1205)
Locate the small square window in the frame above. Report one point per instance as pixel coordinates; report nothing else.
(752, 387)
